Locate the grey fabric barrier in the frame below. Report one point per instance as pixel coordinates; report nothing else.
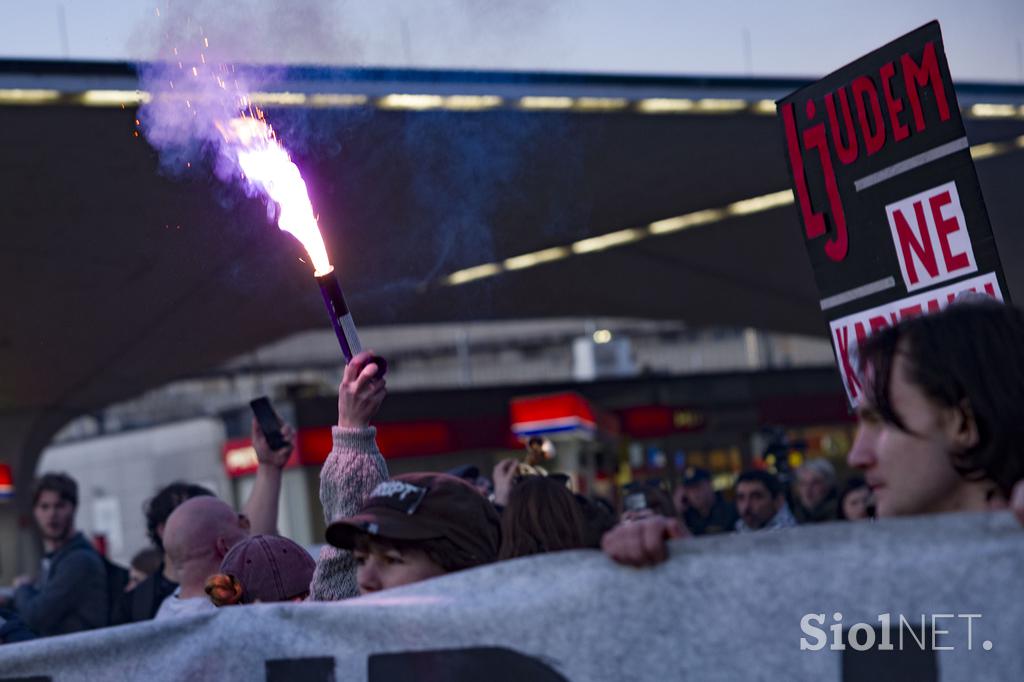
(723, 608)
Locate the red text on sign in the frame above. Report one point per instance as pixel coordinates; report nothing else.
(853, 121)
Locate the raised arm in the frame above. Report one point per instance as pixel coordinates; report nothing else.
(265, 498)
(351, 472)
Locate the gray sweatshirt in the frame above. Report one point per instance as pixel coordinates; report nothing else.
(351, 472)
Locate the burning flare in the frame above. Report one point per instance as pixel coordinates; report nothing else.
(268, 168)
(250, 142)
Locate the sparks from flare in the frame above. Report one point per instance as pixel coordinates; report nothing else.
(252, 145)
(268, 168)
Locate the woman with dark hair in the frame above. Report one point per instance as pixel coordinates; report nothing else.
(942, 416)
(855, 501)
(542, 516)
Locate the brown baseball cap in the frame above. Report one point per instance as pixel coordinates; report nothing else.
(269, 568)
(424, 506)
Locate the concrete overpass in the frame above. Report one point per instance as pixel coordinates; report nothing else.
(443, 196)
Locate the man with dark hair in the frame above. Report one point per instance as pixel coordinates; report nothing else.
(707, 512)
(166, 501)
(760, 502)
(417, 526)
(70, 592)
(143, 601)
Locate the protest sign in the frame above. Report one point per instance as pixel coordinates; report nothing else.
(887, 192)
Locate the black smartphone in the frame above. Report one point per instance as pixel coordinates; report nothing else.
(269, 422)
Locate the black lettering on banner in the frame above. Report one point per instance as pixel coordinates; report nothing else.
(305, 669)
(909, 662)
(494, 664)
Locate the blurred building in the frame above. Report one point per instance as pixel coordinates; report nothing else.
(622, 400)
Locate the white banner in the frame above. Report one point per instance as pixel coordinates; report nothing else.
(762, 606)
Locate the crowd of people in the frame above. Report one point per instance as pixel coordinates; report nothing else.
(938, 431)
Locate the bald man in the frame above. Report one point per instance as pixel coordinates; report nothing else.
(196, 537)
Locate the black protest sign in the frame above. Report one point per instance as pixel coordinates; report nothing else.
(889, 201)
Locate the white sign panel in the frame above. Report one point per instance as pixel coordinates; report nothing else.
(849, 331)
(930, 235)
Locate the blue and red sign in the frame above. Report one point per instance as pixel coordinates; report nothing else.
(6, 482)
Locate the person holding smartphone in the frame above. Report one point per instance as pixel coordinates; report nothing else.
(144, 601)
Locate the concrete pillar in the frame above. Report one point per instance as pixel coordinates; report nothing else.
(24, 434)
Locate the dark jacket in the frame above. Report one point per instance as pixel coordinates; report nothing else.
(721, 519)
(12, 629)
(827, 510)
(144, 600)
(69, 596)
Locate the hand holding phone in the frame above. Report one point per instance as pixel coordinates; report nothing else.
(270, 424)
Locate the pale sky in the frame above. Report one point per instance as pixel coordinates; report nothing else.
(984, 38)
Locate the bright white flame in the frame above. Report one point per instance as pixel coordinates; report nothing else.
(268, 167)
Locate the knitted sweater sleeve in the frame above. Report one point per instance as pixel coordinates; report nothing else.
(353, 469)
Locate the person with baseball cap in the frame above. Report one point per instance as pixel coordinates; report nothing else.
(263, 568)
(418, 526)
(707, 512)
